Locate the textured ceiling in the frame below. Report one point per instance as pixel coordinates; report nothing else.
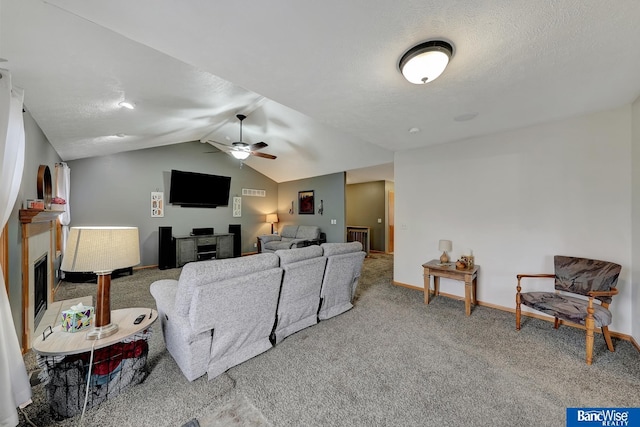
(318, 80)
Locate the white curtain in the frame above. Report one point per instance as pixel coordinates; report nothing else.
(15, 389)
(63, 179)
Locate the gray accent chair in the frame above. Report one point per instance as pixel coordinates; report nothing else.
(590, 278)
(300, 290)
(292, 236)
(344, 264)
(219, 313)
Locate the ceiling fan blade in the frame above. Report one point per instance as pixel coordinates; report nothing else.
(258, 146)
(217, 144)
(264, 155)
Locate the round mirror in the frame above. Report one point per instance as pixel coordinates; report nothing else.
(44, 185)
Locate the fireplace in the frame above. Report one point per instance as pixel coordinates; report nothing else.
(40, 283)
(39, 251)
(38, 256)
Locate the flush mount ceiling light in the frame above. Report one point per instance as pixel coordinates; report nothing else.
(423, 63)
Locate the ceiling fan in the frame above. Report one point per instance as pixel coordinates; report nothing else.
(241, 150)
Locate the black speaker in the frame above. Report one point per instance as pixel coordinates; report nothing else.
(237, 239)
(166, 249)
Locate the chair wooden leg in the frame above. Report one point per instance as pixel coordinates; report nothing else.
(607, 338)
(518, 311)
(590, 324)
(556, 323)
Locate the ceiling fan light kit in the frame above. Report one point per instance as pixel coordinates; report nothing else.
(425, 62)
(242, 150)
(240, 154)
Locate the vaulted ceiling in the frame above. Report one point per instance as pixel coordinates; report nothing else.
(318, 81)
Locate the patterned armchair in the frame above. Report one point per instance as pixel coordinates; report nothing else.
(591, 278)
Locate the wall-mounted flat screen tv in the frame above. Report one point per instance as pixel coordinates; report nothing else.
(192, 189)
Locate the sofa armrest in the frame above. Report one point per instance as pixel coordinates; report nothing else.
(322, 239)
(299, 243)
(164, 292)
(269, 238)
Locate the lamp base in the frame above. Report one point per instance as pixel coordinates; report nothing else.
(100, 332)
(444, 258)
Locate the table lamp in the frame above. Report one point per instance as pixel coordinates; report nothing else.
(445, 246)
(101, 250)
(271, 218)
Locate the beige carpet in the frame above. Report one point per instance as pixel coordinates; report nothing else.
(390, 361)
(237, 412)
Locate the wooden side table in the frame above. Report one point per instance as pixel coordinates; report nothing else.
(448, 271)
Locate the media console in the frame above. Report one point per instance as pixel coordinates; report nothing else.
(200, 248)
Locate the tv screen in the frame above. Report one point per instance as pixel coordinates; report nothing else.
(192, 189)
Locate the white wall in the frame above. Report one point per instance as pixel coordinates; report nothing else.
(635, 252)
(518, 198)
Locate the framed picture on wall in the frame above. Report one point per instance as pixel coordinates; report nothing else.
(305, 202)
(237, 207)
(157, 204)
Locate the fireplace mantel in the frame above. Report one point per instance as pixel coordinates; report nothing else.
(34, 223)
(30, 216)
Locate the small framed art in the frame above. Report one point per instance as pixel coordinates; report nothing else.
(157, 204)
(306, 202)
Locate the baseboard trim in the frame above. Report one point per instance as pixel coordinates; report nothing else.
(524, 313)
(404, 285)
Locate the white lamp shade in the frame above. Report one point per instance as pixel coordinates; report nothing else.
(240, 154)
(271, 218)
(101, 249)
(445, 245)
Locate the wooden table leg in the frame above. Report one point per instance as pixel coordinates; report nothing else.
(436, 285)
(427, 286)
(474, 296)
(467, 297)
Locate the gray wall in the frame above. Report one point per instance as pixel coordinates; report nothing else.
(116, 190)
(330, 189)
(365, 205)
(38, 152)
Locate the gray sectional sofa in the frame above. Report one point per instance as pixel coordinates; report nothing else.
(292, 236)
(220, 313)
